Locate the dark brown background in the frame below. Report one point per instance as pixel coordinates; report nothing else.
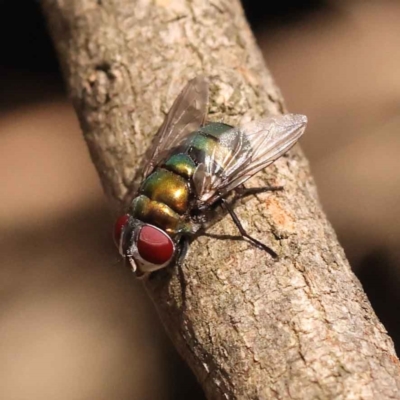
(74, 324)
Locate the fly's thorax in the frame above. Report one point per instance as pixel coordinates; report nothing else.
(169, 188)
(158, 214)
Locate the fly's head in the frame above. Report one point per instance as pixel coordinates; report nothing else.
(146, 247)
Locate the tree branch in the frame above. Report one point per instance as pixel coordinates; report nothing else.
(249, 327)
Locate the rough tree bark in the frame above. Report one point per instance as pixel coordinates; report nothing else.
(250, 327)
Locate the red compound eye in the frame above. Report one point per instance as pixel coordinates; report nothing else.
(154, 246)
(119, 225)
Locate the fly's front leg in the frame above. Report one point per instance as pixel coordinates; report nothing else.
(184, 247)
(242, 192)
(227, 206)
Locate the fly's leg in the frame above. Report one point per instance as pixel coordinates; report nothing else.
(225, 204)
(184, 247)
(242, 192)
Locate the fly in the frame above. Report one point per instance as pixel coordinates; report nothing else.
(193, 166)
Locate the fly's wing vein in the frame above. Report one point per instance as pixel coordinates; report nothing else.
(253, 147)
(186, 115)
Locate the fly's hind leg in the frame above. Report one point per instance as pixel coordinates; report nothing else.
(242, 191)
(227, 206)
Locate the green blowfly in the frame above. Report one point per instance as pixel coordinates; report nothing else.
(193, 167)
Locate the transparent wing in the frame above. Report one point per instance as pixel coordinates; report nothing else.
(186, 115)
(252, 147)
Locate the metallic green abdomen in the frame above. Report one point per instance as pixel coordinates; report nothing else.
(210, 142)
(215, 129)
(181, 164)
(166, 187)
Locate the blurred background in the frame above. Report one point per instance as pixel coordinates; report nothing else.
(75, 327)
